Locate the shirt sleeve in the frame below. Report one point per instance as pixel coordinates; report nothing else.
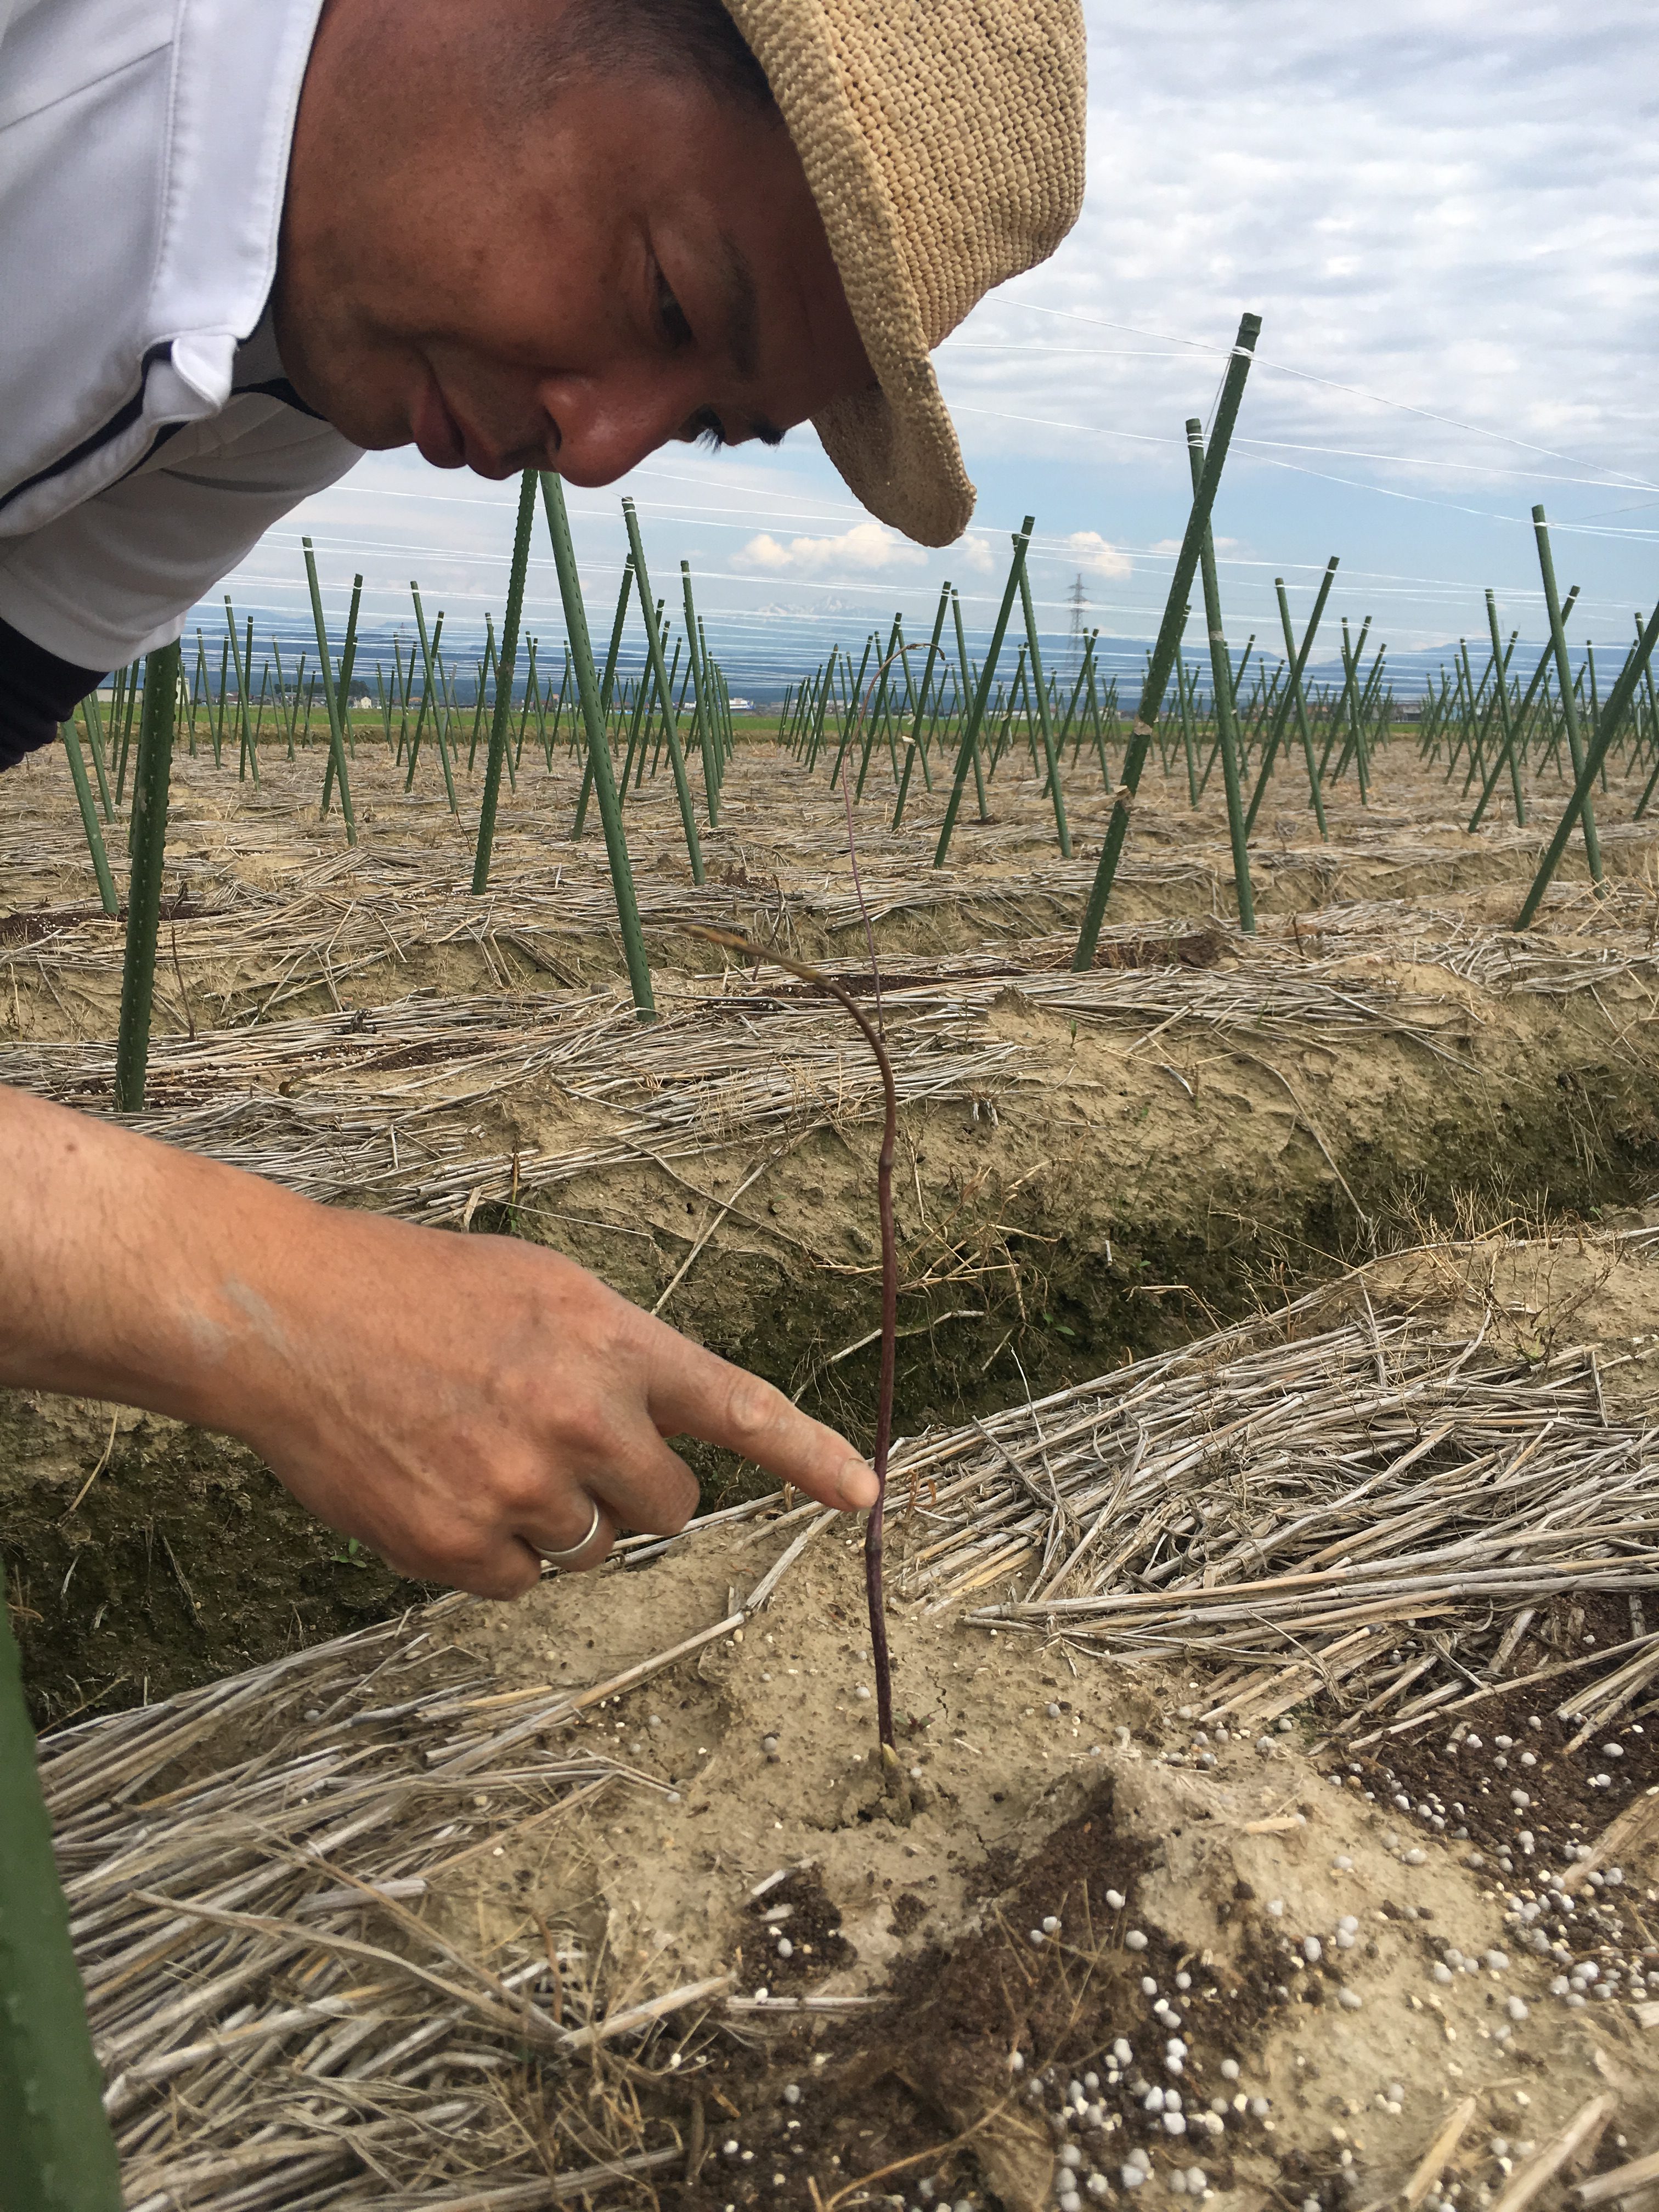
(117, 575)
(36, 692)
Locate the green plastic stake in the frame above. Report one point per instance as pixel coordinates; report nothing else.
(1222, 682)
(664, 689)
(1169, 638)
(606, 683)
(1496, 709)
(1540, 677)
(645, 697)
(219, 719)
(711, 781)
(330, 701)
(1040, 690)
(505, 659)
(249, 757)
(849, 720)
(1183, 685)
(1352, 656)
(481, 671)
(1653, 729)
(1294, 700)
(1076, 724)
(347, 661)
(598, 746)
(1613, 714)
(56, 2151)
(1508, 726)
(284, 714)
(1569, 712)
(125, 702)
(967, 750)
(148, 846)
(875, 719)
(92, 715)
(914, 740)
(429, 684)
(89, 819)
(1354, 745)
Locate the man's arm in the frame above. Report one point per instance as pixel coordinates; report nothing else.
(455, 1401)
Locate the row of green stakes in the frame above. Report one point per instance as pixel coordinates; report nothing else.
(157, 699)
(996, 712)
(1196, 557)
(657, 689)
(894, 709)
(712, 712)
(1197, 550)
(1361, 716)
(1570, 725)
(1563, 721)
(245, 703)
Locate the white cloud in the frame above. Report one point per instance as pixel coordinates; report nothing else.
(1407, 194)
(867, 547)
(1088, 550)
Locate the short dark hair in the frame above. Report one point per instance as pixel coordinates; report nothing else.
(654, 38)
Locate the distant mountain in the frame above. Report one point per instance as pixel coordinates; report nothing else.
(829, 606)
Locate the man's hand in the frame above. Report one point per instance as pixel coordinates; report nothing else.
(460, 1403)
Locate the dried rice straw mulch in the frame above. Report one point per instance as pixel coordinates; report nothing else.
(383, 1106)
(1364, 1511)
(277, 2023)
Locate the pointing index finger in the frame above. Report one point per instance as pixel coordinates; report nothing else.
(695, 1393)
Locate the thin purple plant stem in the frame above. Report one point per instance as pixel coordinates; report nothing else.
(873, 1529)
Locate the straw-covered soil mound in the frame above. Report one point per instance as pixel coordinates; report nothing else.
(1278, 1816)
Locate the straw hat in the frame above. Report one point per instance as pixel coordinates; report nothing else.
(943, 141)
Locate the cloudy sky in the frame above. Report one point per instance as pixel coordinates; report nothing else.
(1447, 215)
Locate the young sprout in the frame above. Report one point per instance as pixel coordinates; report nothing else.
(873, 1528)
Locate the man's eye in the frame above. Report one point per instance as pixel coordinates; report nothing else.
(671, 316)
(705, 428)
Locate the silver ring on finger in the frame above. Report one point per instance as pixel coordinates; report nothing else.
(571, 1551)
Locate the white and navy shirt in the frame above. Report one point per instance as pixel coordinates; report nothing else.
(148, 435)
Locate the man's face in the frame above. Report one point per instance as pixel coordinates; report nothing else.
(565, 284)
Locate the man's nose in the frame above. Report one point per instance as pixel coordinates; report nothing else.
(605, 428)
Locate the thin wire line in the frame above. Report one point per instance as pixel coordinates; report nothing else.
(1354, 391)
(1382, 491)
(1411, 461)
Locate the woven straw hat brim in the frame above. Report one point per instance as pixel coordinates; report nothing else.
(942, 141)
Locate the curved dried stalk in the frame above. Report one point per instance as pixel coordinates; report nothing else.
(873, 1528)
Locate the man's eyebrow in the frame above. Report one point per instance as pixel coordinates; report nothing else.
(742, 309)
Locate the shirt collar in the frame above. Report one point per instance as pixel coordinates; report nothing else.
(238, 68)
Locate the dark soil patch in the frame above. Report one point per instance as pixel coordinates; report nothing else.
(796, 1912)
(1459, 1777)
(185, 1561)
(48, 920)
(1198, 948)
(961, 2078)
(33, 924)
